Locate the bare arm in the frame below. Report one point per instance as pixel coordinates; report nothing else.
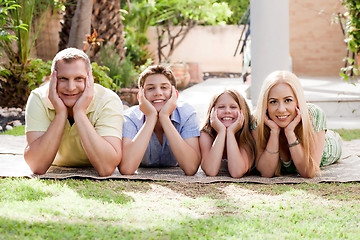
(104, 153)
(238, 159)
(267, 159)
(211, 152)
(134, 149)
(212, 149)
(42, 147)
(186, 152)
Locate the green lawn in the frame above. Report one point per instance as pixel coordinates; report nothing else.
(86, 209)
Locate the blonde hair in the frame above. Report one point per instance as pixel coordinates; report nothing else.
(243, 136)
(157, 69)
(304, 131)
(69, 55)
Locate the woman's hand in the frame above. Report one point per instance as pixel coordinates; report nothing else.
(291, 127)
(271, 124)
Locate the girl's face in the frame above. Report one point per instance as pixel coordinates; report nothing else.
(227, 109)
(282, 104)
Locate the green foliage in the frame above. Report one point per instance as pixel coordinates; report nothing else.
(19, 29)
(101, 76)
(352, 38)
(238, 8)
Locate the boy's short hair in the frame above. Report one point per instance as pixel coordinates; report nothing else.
(157, 69)
(69, 55)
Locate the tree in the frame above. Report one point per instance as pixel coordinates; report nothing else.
(105, 21)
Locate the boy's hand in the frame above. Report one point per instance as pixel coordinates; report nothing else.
(215, 122)
(170, 105)
(54, 96)
(238, 124)
(144, 105)
(85, 99)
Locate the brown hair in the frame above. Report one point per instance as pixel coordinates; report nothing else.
(243, 136)
(157, 69)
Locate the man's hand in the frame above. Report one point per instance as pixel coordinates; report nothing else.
(85, 99)
(54, 96)
(170, 105)
(238, 124)
(144, 105)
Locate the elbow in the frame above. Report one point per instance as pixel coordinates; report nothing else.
(237, 174)
(126, 170)
(190, 172)
(106, 171)
(36, 168)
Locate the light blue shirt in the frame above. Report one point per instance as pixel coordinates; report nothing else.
(183, 118)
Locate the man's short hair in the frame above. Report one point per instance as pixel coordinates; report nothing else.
(69, 55)
(157, 69)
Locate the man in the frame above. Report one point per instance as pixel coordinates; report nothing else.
(71, 121)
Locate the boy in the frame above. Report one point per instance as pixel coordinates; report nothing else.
(71, 121)
(159, 132)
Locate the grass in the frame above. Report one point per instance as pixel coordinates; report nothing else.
(16, 131)
(86, 209)
(346, 134)
(349, 134)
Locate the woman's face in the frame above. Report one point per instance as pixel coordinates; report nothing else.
(227, 109)
(282, 104)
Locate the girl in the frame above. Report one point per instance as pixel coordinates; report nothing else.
(226, 135)
(291, 135)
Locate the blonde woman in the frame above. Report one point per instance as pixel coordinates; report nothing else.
(226, 136)
(290, 134)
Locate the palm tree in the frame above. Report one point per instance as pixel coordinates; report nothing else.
(105, 20)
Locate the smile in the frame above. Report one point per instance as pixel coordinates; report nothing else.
(227, 118)
(158, 101)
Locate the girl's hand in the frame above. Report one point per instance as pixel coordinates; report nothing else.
(215, 122)
(291, 127)
(86, 97)
(144, 105)
(54, 96)
(238, 124)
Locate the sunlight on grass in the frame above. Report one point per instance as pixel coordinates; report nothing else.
(118, 209)
(16, 131)
(349, 134)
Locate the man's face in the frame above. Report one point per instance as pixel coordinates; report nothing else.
(157, 90)
(71, 78)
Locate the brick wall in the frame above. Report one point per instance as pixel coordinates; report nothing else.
(316, 44)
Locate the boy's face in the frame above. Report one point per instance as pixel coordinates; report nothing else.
(71, 78)
(157, 90)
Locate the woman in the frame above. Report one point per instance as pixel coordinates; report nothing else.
(291, 135)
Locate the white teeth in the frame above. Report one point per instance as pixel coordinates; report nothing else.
(282, 117)
(227, 119)
(157, 101)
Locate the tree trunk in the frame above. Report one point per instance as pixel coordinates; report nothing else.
(81, 24)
